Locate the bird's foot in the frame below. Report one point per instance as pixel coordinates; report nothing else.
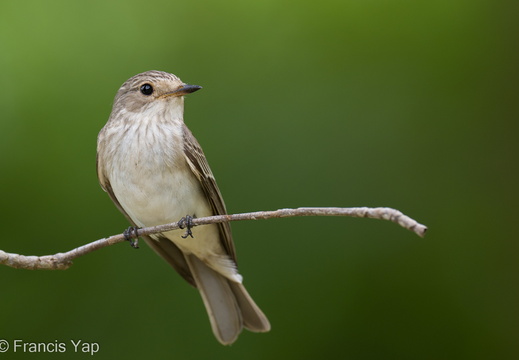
(132, 236)
(186, 223)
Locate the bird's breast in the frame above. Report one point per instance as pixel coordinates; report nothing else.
(151, 178)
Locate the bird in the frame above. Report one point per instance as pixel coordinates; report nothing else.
(155, 172)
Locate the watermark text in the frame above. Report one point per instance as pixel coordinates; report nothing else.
(56, 346)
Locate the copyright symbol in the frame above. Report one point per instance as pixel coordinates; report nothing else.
(4, 345)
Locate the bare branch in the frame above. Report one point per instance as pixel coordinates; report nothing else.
(62, 261)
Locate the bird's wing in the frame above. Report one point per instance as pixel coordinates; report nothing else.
(198, 163)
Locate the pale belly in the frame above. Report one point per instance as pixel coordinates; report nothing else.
(167, 197)
(158, 198)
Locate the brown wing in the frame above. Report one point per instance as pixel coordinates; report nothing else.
(160, 244)
(198, 163)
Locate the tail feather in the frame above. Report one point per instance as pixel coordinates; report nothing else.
(228, 303)
(253, 318)
(219, 301)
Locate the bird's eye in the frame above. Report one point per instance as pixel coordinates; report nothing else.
(146, 89)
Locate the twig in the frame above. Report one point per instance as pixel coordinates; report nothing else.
(62, 261)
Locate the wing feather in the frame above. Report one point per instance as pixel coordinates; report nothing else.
(198, 163)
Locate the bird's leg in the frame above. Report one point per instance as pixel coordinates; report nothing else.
(186, 223)
(132, 238)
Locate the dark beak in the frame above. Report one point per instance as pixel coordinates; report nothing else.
(184, 90)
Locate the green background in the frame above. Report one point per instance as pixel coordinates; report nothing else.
(406, 104)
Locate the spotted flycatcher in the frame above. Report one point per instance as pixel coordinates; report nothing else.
(155, 172)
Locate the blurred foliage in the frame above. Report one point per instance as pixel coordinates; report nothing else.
(411, 105)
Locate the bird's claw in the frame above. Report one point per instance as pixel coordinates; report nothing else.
(132, 236)
(186, 223)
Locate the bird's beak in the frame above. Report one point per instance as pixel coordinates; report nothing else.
(184, 90)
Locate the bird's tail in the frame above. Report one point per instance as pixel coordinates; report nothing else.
(228, 304)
